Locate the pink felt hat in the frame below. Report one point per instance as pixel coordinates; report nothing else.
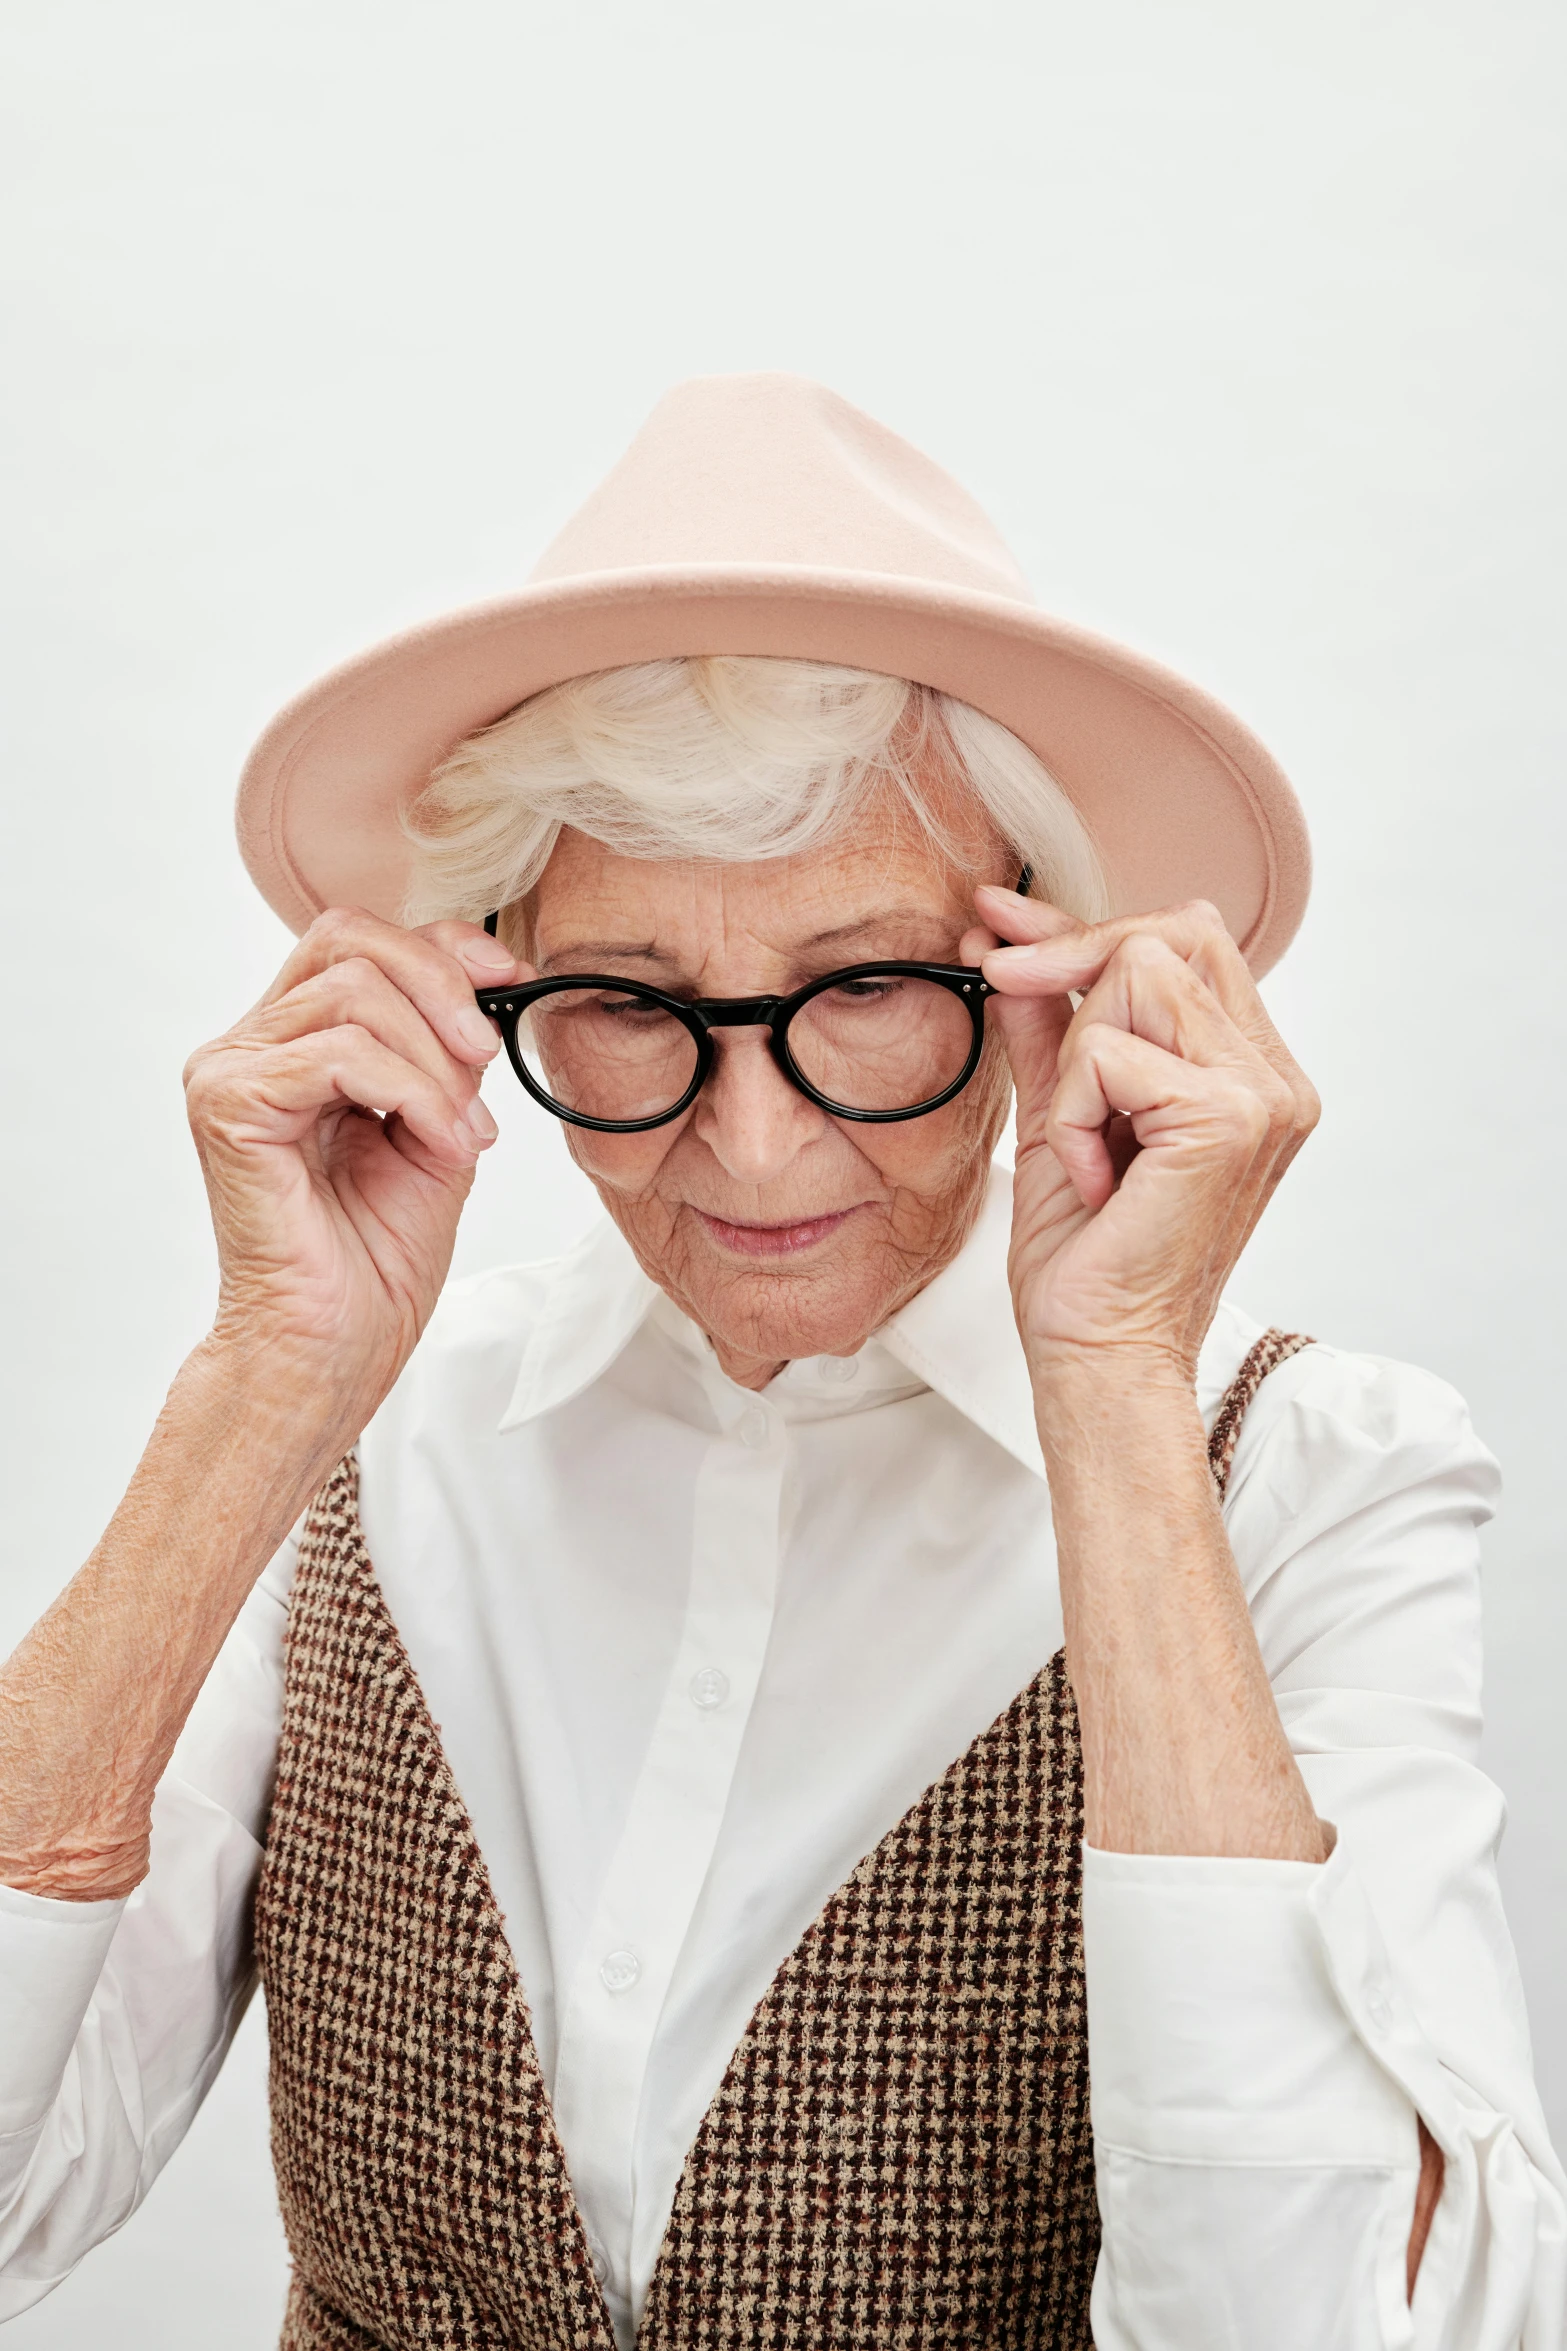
(762, 514)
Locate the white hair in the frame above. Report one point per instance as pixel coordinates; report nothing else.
(728, 758)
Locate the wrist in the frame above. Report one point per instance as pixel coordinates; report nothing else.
(240, 1369)
(86, 1869)
(1112, 1410)
(1138, 1374)
(261, 1425)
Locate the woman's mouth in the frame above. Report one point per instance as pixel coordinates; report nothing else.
(772, 1240)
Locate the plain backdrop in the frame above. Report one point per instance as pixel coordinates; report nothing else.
(1243, 319)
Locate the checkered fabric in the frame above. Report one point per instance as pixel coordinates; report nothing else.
(1272, 1349)
(899, 2154)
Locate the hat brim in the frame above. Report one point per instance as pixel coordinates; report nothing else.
(1181, 799)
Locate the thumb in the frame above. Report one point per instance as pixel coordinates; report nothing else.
(1032, 1028)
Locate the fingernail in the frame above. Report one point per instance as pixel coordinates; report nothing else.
(476, 1032)
(481, 1122)
(489, 952)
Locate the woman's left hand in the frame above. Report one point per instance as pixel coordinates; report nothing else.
(1153, 1123)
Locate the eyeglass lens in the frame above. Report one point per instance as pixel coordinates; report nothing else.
(886, 1041)
(882, 1041)
(604, 1055)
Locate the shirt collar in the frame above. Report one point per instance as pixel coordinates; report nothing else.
(597, 1299)
(958, 1336)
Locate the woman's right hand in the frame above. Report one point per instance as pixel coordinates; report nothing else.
(339, 1124)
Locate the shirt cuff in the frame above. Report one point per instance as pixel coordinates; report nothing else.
(1217, 2030)
(51, 1956)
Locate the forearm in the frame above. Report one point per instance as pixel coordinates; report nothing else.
(1183, 1749)
(94, 1699)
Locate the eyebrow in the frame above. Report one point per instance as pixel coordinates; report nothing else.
(889, 918)
(645, 951)
(609, 951)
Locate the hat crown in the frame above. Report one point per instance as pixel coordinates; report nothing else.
(761, 472)
(761, 516)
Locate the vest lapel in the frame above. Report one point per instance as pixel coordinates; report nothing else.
(900, 2152)
(422, 2182)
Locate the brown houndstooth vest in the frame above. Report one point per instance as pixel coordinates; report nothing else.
(899, 2154)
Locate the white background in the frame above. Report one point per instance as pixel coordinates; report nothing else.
(1244, 319)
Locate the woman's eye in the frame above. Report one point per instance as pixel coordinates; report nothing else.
(865, 991)
(631, 1012)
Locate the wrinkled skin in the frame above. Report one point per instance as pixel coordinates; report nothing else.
(779, 1229)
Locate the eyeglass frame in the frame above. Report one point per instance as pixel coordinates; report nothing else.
(702, 1014)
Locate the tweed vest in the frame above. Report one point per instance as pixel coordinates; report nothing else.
(898, 2155)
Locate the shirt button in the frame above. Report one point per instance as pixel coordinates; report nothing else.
(1379, 2008)
(599, 2259)
(838, 1367)
(753, 1428)
(709, 1688)
(619, 1970)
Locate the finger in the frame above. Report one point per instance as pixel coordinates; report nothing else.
(975, 942)
(437, 982)
(358, 992)
(1023, 921)
(1032, 1030)
(1074, 955)
(1147, 989)
(487, 960)
(1189, 1111)
(273, 1094)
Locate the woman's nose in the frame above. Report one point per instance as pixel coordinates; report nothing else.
(749, 1116)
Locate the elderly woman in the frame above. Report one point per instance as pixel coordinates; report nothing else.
(862, 1760)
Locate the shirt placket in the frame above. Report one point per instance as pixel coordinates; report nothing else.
(651, 1887)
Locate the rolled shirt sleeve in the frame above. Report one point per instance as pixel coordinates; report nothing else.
(1264, 2035)
(115, 2016)
(51, 1956)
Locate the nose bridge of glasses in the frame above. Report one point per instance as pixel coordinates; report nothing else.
(736, 1012)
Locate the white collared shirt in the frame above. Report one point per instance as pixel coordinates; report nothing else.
(693, 1651)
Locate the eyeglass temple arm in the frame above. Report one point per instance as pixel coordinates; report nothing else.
(1023, 880)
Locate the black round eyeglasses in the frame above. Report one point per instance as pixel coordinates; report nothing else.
(875, 1041)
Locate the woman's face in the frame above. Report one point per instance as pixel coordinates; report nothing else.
(779, 1229)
